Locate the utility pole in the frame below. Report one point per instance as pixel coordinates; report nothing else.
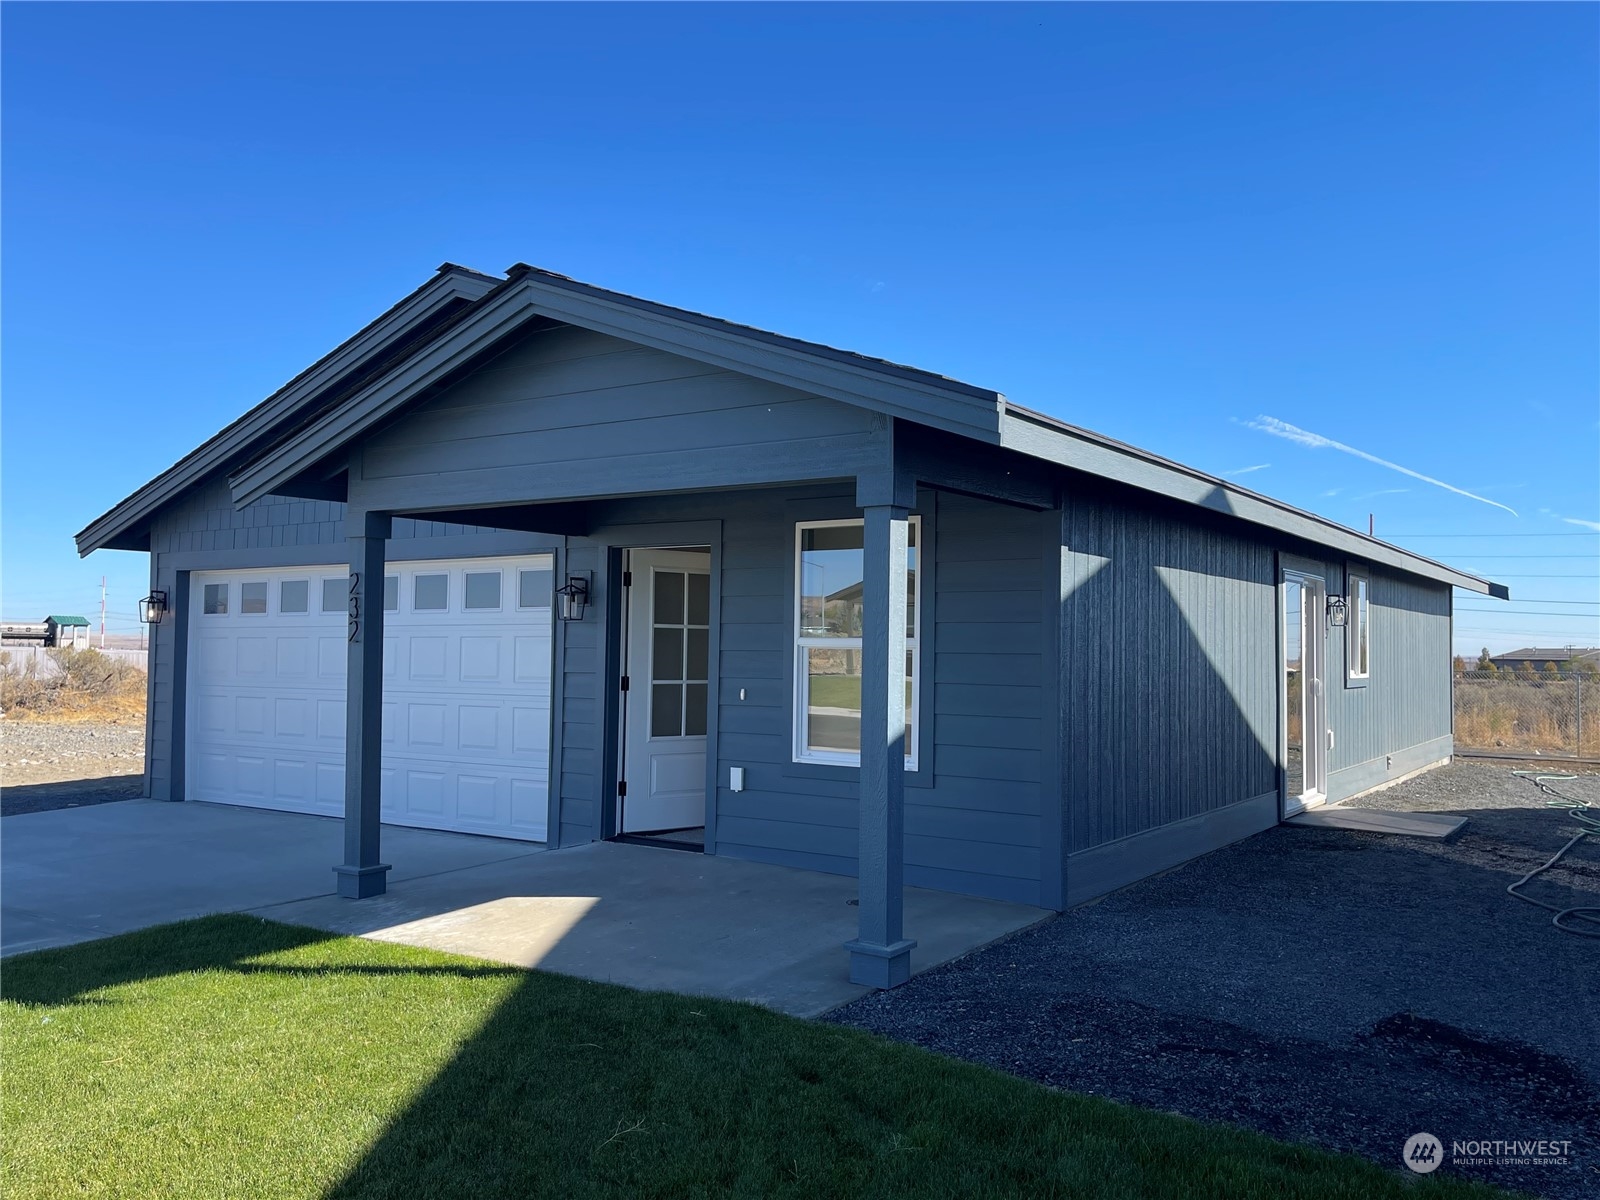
(102, 612)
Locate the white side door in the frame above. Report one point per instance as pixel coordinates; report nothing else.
(664, 710)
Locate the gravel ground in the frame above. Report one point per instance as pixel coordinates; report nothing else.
(60, 764)
(1324, 986)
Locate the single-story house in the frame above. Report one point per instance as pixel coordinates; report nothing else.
(63, 630)
(533, 559)
(1540, 657)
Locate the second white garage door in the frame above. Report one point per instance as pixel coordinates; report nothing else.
(466, 692)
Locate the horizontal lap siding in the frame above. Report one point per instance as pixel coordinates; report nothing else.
(629, 416)
(205, 520)
(1169, 653)
(977, 828)
(1406, 700)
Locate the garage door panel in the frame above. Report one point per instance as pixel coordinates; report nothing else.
(466, 710)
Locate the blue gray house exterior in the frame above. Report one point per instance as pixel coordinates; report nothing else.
(1106, 671)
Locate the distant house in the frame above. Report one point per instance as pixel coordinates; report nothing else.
(66, 631)
(1538, 656)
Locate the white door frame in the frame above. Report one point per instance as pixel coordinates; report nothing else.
(1314, 730)
(634, 739)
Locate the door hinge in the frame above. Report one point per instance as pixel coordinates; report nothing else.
(622, 788)
(624, 683)
(627, 579)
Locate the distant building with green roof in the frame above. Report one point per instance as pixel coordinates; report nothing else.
(63, 630)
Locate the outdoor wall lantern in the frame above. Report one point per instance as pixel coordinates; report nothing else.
(152, 608)
(1337, 611)
(574, 597)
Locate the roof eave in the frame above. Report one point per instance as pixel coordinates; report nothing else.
(1044, 437)
(121, 527)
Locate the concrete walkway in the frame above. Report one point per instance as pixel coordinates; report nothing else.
(643, 916)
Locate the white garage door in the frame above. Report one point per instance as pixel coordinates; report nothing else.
(466, 692)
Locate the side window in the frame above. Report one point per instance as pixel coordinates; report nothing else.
(1358, 629)
(215, 600)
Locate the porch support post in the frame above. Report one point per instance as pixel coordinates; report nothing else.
(881, 956)
(361, 874)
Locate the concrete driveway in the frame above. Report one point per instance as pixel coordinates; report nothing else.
(642, 916)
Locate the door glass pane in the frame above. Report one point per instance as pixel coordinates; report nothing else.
(698, 662)
(334, 592)
(666, 710)
(483, 589)
(669, 598)
(694, 710)
(430, 593)
(699, 599)
(293, 596)
(1294, 685)
(666, 653)
(253, 597)
(833, 695)
(830, 581)
(216, 599)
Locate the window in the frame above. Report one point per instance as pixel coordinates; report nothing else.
(483, 590)
(829, 569)
(680, 652)
(391, 593)
(534, 588)
(1358, 628)
(253, 597)
(335, 593)
(430, 593)
(216, 599)
(294, 596)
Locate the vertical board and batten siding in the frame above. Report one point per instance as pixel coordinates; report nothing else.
(205, 521)
(1168, 652)
(1405, 704)
(567, 413)
(973, 810)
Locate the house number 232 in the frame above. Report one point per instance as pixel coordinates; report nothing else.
(355, 606)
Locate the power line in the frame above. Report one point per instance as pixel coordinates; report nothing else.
(1590, 557)
(1531, 612)
(1543, 600)
(1596, 533)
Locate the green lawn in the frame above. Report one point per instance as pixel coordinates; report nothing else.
(236, 1057)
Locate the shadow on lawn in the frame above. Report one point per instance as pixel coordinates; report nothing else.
(227, 942)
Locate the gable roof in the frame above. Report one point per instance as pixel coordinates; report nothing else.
(395, 333)
(62, 620)
(386, 366)
(529, 293)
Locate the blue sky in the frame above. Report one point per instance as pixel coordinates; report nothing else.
(1195, 228)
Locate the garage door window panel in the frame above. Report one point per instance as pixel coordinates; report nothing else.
(253, 598)
(430, 593)
(294, 596)
(482, 592)
(214, 601)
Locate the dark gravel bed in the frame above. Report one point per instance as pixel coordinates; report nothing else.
(1338, 988)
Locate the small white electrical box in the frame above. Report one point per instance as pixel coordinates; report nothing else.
(736, 779)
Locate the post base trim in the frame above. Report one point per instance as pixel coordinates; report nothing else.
(877, 966)
(358, 883)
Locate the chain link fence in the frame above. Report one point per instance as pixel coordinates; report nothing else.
(1538, 713)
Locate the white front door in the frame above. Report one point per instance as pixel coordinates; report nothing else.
(1305, 702)
(667, 666)
(466, 692)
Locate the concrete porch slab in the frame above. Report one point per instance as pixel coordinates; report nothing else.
(1368, 820)
(74, 874)
(660, 919)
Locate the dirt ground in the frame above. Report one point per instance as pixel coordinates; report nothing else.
(59, 764)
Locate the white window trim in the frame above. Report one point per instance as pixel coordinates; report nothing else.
(802, 682)
(1359, 626)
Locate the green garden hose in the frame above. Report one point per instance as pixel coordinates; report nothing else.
(1588, 826)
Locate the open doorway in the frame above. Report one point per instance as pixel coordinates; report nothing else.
(1304, 695)
(665, 690)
